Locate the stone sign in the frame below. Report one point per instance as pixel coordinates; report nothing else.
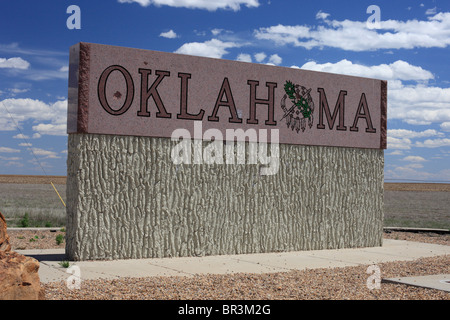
(135, 189)
(146, 93)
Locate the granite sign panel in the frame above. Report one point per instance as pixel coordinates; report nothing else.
(124, 91)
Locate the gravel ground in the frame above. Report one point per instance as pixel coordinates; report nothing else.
(316, 284)
(35, 239)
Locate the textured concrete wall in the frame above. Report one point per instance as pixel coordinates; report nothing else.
(126, 199)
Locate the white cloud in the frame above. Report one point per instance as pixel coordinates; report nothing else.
(15, 91)
(10, 158)
(259, 57)
(414, 166)
(398, 70)
(275, 59)
(216, 31)
(25, 144)
(51, 129)
(14, 164)
(396, 153)
(414, 159)
(445, 126)
(169, 34)
(213, 48)
(14, 63)
(416, 104)
(434, 143)
(283, 35)
(244, 57)
(45, 153)
(431, 11)
(403, 133)
(8, 150)
(21, 136)
(42, 75)
(355, 36)
(396, 143)
(209, 5)
(21, 110)
(322, 15)
(14, 48)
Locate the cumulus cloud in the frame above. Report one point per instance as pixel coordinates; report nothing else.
(403, 133)
(260, 56)
(209, 5)
(51, 118)
(21, 136)
(213, 48)
(433, 143)
(398, 143)
(51, 129)
(244, 57)
(10, 158)
(355, 36)
(8, 150)
(398, 70)
(414, 159)
(275, 59)
(45, 153)
(169, 34)
(416, 104)
(431, 11)
(445, 126)
(322, 15)
(14, 63)
(216, 31)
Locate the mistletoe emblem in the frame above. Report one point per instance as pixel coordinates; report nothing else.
(302, 106)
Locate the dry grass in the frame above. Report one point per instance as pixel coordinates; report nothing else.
(24, 179)
(433, 187)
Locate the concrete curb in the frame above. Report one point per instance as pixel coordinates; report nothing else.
(392, 250)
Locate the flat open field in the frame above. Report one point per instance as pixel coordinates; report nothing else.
(421, 205)
(28, 179)
(19, 179)
(433, 187)
(404, 204)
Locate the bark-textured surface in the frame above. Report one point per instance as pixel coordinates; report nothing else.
(127, 199)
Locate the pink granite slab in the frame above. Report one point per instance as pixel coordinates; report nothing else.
(109, 88)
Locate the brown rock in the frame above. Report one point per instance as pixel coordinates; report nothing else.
(19, 277)
(5, 246)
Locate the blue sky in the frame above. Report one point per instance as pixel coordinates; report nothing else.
(409, 48)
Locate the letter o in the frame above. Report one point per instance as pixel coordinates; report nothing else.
(102, 90)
